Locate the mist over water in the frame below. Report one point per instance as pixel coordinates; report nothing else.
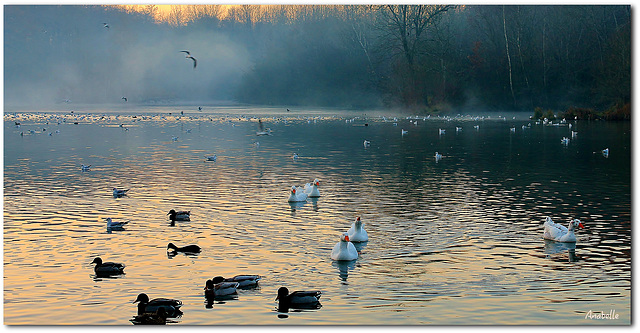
(453, 241)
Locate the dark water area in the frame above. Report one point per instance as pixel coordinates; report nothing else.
(453, 241)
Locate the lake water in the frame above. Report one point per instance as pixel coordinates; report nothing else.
(452, 242)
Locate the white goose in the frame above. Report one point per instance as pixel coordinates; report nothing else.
(311, 189)
(357, 233)
(297, 194)
(559, 233)
(344, 249)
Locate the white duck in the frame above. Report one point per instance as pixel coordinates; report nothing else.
(344, 249)
(559, 233)
(297, 194)
(113, 225)
(311, 189)
(357, 233)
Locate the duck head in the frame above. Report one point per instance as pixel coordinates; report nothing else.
(171, 246)
(172, 212)
(142, 298)
(344, 237)
(97, 260)
(217, 279)
(575, 224)
(283, 292)
(316, 182)
(358, 222)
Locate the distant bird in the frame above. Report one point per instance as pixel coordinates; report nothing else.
(295, 156)
(114, 225)
(212, 158)
(188, 248)
(125, 99)
(441, 131)
(367, 143)
(404, 132)
(565, 141)
(85, 167)
(458, 129)
(106, 25)
(174, 138)
(513, 129)
(119, 193)
(438, 157)
(183, 215)
(199, 108)
(195, 62)
(297, 298)
(107, 268)
(605, 152)
(170, 306)
(477, 127)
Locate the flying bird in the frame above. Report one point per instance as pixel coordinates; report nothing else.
(106, 25)
(125, 99)
(195, 62)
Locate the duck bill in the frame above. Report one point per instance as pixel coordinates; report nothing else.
(580, 225)
(277, 297)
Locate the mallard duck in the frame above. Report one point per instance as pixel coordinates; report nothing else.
(170, 306)
(148, 318)
(180, 215)
(107, 268)
(244, 281)
(188, 248)
(218, 287)
(297, 298)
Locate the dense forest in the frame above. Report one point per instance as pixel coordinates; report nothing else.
(424, 58)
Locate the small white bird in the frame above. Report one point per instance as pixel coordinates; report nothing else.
(86, 167)
(477, 127)
(605, 152)
(212, 158)
(438, 156)
(295, 156)
(119, 193)
(344, 249)
(174, 138)
(367, 143)
(115, 225)
(404, 132)
(441, 131)
(458, 129)
(513, 129)
(565, 141)
(106, 25)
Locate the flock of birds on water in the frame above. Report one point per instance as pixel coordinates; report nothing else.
(158, 311)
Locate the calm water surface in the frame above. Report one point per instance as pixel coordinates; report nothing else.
(455, 241)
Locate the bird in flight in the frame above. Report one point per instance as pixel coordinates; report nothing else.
(125, 99)
(195, 62)
(106, 25)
